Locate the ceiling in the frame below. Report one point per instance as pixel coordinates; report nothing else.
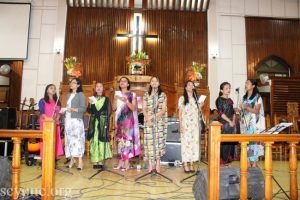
(177, 5)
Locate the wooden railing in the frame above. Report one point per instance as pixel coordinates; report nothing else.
(48, 167)
(215, 138)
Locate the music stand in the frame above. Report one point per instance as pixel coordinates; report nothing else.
(154, 172)
(278, 128)
(275, 130)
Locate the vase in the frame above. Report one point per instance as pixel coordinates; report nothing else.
(69, 71)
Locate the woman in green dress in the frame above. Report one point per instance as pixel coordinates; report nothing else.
(100, 109)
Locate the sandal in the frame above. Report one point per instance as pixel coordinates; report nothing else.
(186, 168)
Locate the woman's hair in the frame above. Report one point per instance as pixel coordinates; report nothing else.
(129, 83)
(46, 96)
(222, 87)
(159, 90)
(185, 94)
(255, 89)
(78, 81)
(103, 92)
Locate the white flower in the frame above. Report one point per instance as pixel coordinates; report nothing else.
(130, 155)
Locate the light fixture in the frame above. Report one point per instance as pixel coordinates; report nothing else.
(152, 36)
(122, 35)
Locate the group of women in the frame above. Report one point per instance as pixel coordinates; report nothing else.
(155, 123)
(252, 120)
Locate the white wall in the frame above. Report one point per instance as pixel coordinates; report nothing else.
(231, 64)
(46, 36)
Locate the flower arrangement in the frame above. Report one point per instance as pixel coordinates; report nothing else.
(73, 67)
(195, 71)
(140, 55)
(138, 61)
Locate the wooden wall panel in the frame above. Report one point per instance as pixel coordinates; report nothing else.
(91, 36)
(268, 36)
(182, 39)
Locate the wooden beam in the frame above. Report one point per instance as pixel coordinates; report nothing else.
(145, 4)
(16, 168)
(243, 171)
(173, 4)
(268, 171)
(48, 167)
(21, 133)
(214, 160)
(207, 5)
(185, 5)
(201, 5)
(260, 137)
(190, 8)
(293, 171)
(131, 4)
(195, 5)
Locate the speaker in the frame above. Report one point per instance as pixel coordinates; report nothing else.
(173, 134)
(173, 153)
(5, 173)
(8, 118)
(230, 184)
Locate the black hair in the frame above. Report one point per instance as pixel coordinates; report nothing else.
(185, 94)
(78, 81)
(222, 87)
(159, 90)
(255, 89)
(129, 83)
(46, 96)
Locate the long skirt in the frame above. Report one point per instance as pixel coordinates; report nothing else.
(97, 148)
(74, 137)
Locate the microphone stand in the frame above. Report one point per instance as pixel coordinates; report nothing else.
(54, 118)
(200, 129)
(104, 168)
(154, 172)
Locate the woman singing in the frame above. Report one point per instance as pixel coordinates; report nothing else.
(127, 129)
(74, 127)
(226, 116)
(49, 107)
(156, 121)
(252, 120)
(190, 128)
(100, 110)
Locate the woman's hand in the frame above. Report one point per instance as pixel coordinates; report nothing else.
(91, 101)
(181, 129)
(72, 109)
(231, 123)
(124, 99)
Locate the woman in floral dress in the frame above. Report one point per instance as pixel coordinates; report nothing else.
(127, 129)
(156, 122)
(252, 120)
(190, 128)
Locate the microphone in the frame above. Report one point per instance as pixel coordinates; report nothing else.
(237, 90)
(195, 95)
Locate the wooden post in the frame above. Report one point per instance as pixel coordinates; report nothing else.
(214, 161)
(293, 172)
(16, 161)
(268, 171)
(48, 160)
(244, 172)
